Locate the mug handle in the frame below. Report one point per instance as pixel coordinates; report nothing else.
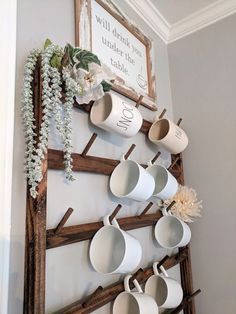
(127, 287)
(122, 158)
(166, 213)
(106, 222)
(149, 163)
(156, 272)
(164, 272)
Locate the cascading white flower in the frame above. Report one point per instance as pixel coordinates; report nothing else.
(28, 119)
(85, 85)
(91, 81)
(35, 152)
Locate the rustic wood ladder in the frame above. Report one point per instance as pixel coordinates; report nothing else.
(39, 239)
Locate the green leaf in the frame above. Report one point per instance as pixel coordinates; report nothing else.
(80, 57)
(71, 52)
(76, 51)
(106, 87)
(47, 43)
(69, 49)
(85, 57)
(56, 61)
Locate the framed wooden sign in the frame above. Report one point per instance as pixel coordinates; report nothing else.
(102, 29)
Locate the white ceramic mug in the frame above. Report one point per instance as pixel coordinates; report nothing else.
(137, 302)
(131, 180)
(113, 114)
(113, 250)
(166, 291)
(166, 185)
(171, 232)
(168, 135)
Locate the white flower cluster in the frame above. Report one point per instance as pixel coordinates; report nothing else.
(89, 82)
(71, 90)
(186, 206)
(52, 108)
(28, 120)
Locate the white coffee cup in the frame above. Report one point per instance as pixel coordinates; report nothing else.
(114, 114)
(131, 180)
(129, 302)
(168, 135)
(166, 185)
(113, 250)
(166, 291)
(171, 232)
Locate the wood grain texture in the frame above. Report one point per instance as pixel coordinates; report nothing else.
(87, 163)
(186, 300)
(92, 164)
(109, 293)
(63, 220)
(89, 144)
(82, 232)
(186, 265)
(77, 11)
(35, 240)
(187, 282)
(132, 95)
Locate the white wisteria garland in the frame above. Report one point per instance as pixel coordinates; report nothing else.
(28, 121)
(71, 90)
(51, 95)
(52, 106)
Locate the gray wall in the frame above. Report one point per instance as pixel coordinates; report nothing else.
(203, 80)
(69, 274)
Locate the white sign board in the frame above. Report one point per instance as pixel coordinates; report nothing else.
(118, 48)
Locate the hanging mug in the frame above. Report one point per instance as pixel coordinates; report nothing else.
(131, 180)
(113, 114)
(166, 291)
(114, 251)
(168, 135)
(134, 302)
(166, 185)
(171, 232)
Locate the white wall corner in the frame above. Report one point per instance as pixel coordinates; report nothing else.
(202, 18)
(192, 23)
(152, 17)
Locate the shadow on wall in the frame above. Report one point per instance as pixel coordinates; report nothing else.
(16, 280)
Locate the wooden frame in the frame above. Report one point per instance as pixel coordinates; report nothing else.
(83, 39)
(38, 239)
